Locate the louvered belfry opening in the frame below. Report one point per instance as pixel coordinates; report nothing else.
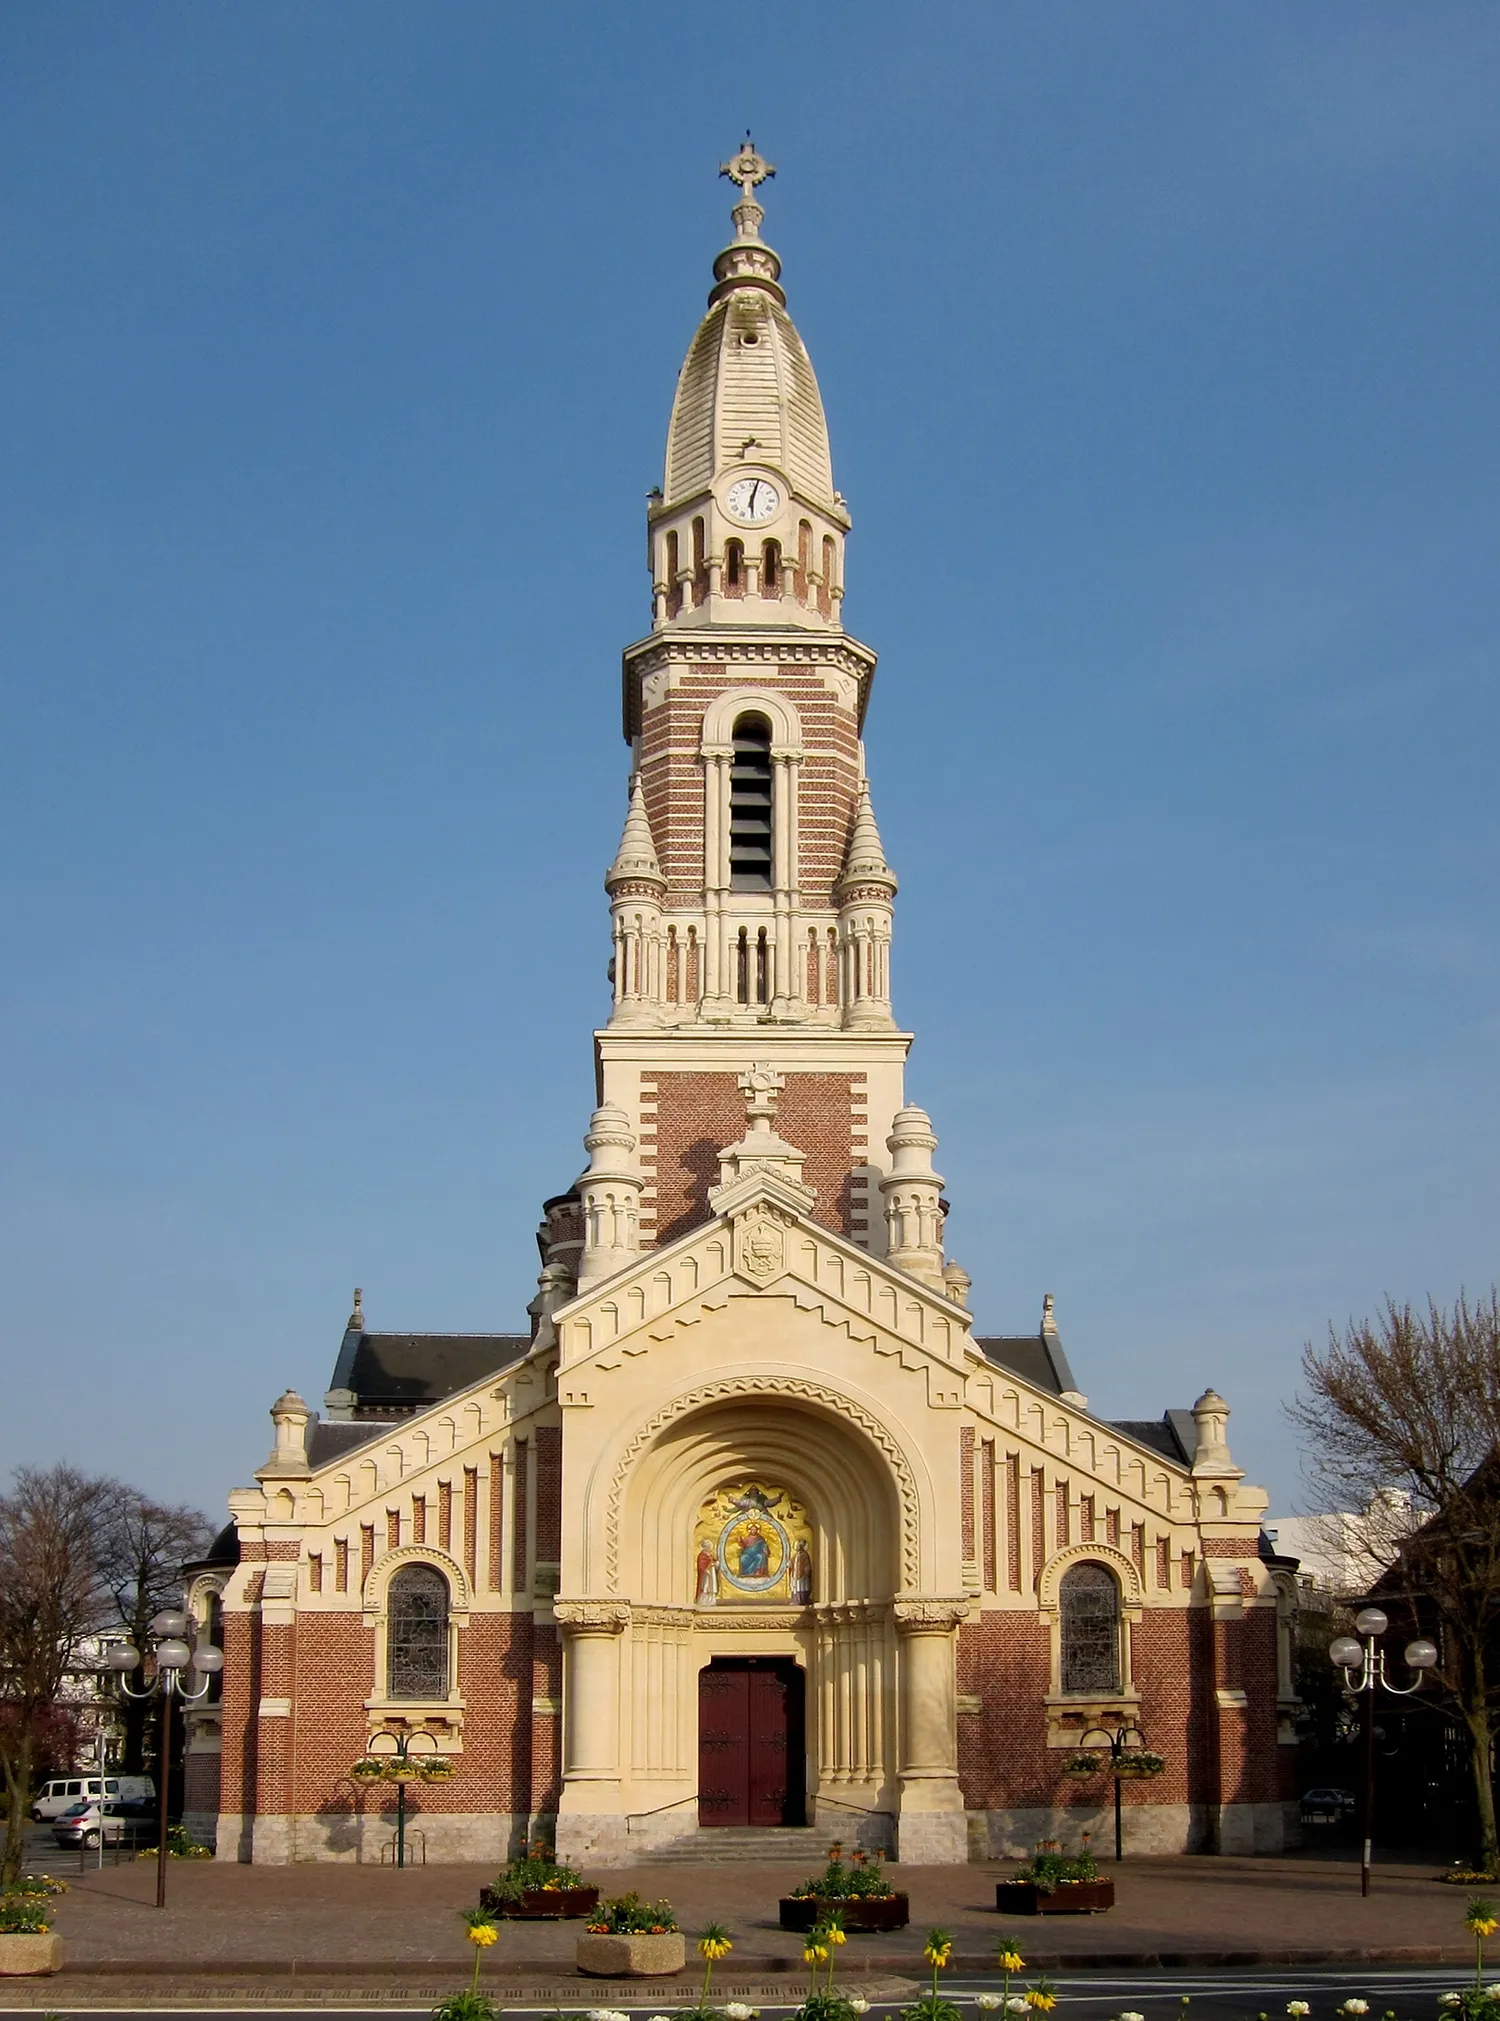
(750, 806)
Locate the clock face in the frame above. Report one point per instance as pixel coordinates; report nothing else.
(753, 500)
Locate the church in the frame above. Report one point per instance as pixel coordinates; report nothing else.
(747, 1529)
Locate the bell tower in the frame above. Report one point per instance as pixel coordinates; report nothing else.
(750, 899)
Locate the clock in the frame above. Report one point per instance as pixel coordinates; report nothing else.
(753, 500)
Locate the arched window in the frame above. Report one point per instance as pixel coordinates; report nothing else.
(734, 568)
(750, 806)
(1089, 1603)
(700, 565)
(770, 568)
(417, 1634)
(674, 587)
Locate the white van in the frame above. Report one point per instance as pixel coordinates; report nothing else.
(63, 1791)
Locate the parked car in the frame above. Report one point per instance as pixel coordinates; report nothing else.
(127, 1824)
(1327, 1806)
(62, 1792)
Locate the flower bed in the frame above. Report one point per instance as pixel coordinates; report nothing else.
(632, 1939)
(856, 1890)
(1063, 1898)
(535, 1888)
(857, 1913)
(547, 1905)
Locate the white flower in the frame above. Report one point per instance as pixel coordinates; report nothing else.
(1297, 2008)
(738, 2011)
(1355, 2007)
(987, 2002)
(1450, 1999)
(860, 2006)
(1131, 2015)
(1016, 2005)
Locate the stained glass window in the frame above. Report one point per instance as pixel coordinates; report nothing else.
(417, 1634)
(1090, 1602)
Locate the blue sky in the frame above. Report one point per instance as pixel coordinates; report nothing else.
(1158, 346)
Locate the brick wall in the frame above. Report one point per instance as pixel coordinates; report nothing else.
(1180, 1660)
(698, 1115)
(672, 774)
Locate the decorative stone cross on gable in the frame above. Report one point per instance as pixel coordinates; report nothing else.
(761, 1087)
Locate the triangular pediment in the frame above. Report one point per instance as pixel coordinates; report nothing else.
(763, 1243)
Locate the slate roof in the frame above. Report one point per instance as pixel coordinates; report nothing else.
(1161, 1435)
(1038, 1358)
(399, 1373)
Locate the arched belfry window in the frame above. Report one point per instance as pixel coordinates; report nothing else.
(750, 806)
(1089, 1603)
(417, 1634)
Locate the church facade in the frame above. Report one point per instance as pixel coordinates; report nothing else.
(747, 1528)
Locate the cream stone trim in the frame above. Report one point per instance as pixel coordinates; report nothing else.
(737, 1386)
(1132, 1594)
(726, 709)
(375, 1596)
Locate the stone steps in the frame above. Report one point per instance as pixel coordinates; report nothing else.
(737, 1845)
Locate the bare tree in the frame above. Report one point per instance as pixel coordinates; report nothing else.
(52, 1598)
(144, 1545)
(1412, 1401)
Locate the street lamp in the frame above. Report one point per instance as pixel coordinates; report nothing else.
(1368, 1658)
(1122, 1742)
(172, 1656)
(391, 1759)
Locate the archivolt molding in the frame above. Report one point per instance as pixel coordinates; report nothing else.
(1132, 1594)
(719, 721)
(377, 1586)
(734, 1387)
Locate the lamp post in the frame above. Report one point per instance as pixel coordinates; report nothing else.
(397, 1764)
(172, 1656)
(1120, 1741)
(1368, 1658)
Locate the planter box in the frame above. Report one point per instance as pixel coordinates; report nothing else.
(641, 1957)
(860, 1912)
(1068, 1898)
(22, 1955)
(542, 1905)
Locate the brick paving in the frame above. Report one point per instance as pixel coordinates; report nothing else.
(276, 1931)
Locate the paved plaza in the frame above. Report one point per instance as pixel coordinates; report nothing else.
(322, 1931)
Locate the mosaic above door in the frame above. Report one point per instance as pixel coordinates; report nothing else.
(752, 1543)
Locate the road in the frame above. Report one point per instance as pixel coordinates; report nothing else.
(1410, 1994)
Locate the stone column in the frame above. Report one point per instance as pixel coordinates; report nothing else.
(591, 1816)
(931, 1828)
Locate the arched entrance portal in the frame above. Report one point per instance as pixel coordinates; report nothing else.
(752, 1748)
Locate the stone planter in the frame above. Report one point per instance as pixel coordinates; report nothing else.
(1067, 1898)
(542, 1905)
(859, 1912)
(22, 1955)
(634, 1957)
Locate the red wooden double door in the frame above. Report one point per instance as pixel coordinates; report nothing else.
(751, 1747)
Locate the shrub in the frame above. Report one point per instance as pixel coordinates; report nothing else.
(1046, 1870)
(629, 1916)
(534, 1869)
(862, 1877)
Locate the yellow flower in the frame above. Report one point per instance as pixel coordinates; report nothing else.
(714, 1947)
(1042, 2001)
(1012, 1961)
(938, 1952)
(1484, 1926)
(483, 1934)
(815, 1954)
(835, 1934)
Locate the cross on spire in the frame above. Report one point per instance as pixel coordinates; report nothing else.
(749, 170)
